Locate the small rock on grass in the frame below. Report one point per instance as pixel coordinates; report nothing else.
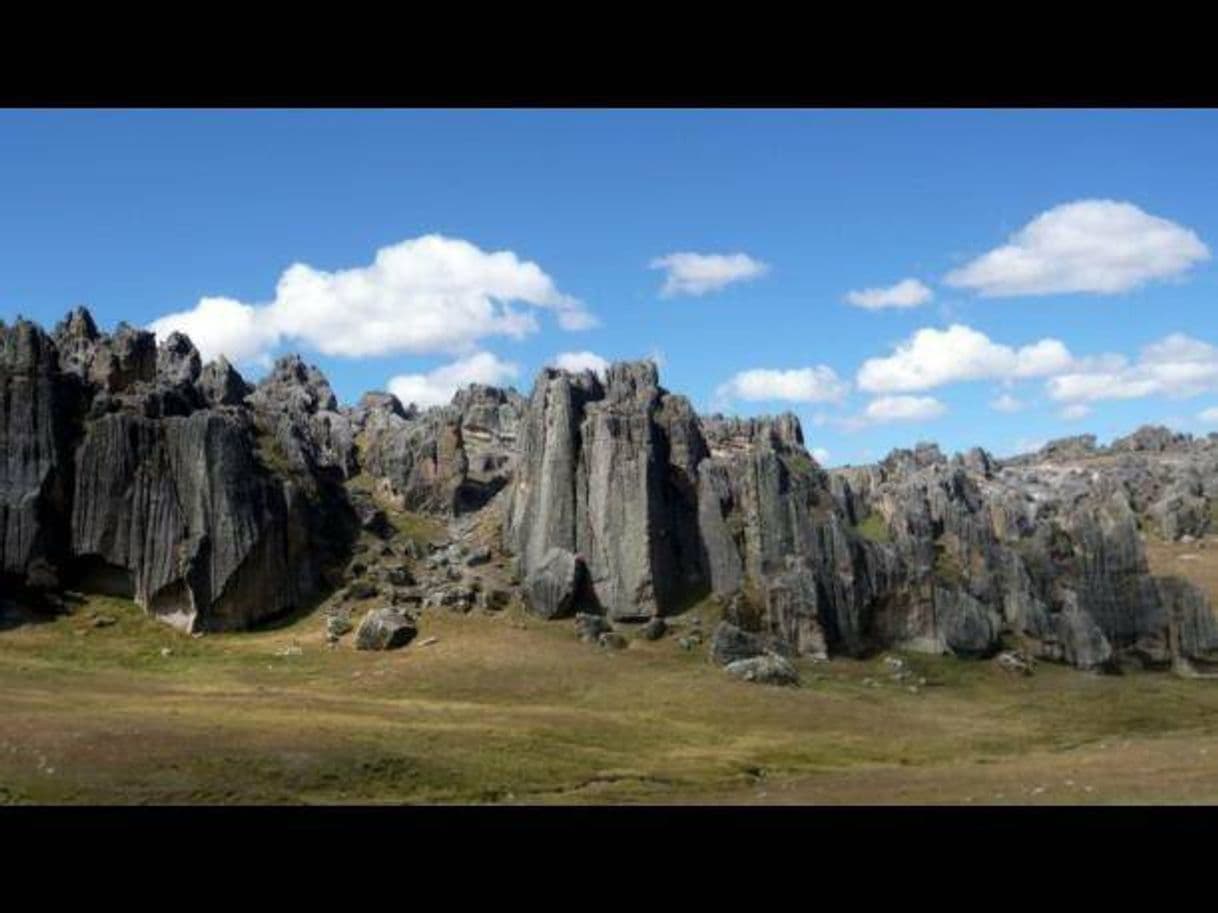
(611, 640)
(768, 669)
(589, 627)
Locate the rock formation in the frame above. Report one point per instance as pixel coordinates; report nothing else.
(131, 467)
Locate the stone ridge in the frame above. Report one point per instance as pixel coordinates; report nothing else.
(130, 467)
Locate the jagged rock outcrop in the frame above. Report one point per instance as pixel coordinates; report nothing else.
(129, 468)
(177, 514)
(919, 551)
(219, 384)
(450, 459)
(36, 411)
(132, 468)
(607, 471)
(298, 415)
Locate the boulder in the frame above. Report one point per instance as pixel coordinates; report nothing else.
(730, 643)
(767, 669)
(384, 629)
(553, 585)
(589, 628)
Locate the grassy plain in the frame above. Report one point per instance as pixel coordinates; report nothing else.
(505, 708)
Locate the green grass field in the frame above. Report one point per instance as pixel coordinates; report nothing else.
(506, 708)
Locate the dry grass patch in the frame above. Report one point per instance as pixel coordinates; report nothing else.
(508, 708)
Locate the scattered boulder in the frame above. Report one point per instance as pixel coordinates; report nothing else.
(589, 628)
(384, 629)
(611, 640)
(654, 629)
(766, 669)
(730, 643)
(480, 555)
(1015, 661)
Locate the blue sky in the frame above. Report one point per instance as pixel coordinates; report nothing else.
(511, 237)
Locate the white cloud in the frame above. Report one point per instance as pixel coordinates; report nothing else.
(1176, 366)
(1209, 416)
(581, 361)
(819, 384)
(821, 455)
(1074, 412)
(697, 274)
(903, 409)
(436, 388)
(932, 358)
(424, 295)
(908, 293)
(222, 326)
(1100, 246)
(1006, 403)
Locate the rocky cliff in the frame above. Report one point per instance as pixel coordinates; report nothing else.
(133, 468)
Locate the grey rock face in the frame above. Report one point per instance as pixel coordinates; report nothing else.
(36, 405)
(768, 669)
(219, 384)
(1151, 438)
(176, 514)
(447, 460)
(120, 477)
(792, 611)
(609, 471)
(384, 629)
(297, 414)
(132, 469)
(177, 362)
(967, 626)
(552, 587)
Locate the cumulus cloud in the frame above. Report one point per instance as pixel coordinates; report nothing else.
(436, 388)
(885, 409)
(819, 384)
(932, 358)
(1208, 416)
(581, 361)
(1176, 366)
(1098, 246)
(697, 274)
(222, 326)
(1006, 403)
(903, 409)
(421, 296)
(908, 293)
(821, 455)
